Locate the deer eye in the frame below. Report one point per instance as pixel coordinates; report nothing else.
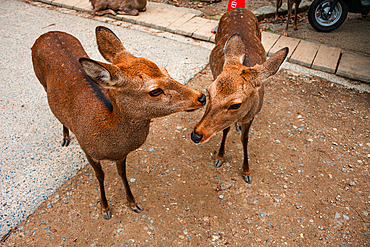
(156, 92)
(235, 106)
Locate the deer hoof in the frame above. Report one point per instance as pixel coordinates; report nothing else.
(65, 143)
(295, 29)
(218, 163)
(107, 215)
(248, 179)
(137, 208)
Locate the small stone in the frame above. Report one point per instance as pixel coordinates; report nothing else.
(49, 205)
(262, 214)
(221, 196)
(343, 245)
(285, 186)
(365, 213)
(346, 217)
(132, 180)
(352, 183)
(337, 216)
(255, 201)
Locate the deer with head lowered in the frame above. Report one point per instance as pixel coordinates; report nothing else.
(239, 67)
(122, 7)
(108, 106)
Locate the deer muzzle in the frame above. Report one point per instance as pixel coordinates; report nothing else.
(202, 99)
(195, 137)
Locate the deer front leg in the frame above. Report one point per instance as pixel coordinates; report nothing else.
(106, 11)
(121, 168)
(128, 10)
(99, 173)
(66, 139)
(221, 151)
(245, 132)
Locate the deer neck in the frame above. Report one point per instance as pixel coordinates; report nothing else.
(124, 117)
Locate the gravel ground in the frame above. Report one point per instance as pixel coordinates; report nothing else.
(309, 155)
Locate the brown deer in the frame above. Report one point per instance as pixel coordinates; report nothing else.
(239, 67)
(107, 106)
(122, 7)
(290, 6)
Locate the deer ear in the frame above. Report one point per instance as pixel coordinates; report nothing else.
(234, 50)
(109, 45)
(105, 75)
(271, 66)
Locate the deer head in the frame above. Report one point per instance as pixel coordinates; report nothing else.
(235, 95)
(138, 86)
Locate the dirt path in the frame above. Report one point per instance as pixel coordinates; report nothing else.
(309, 153)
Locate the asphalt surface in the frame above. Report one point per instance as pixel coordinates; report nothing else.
(33, 163)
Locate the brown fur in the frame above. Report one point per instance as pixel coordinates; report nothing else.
(239, 67)
(98, 102)
(290, 6)
(123, 7)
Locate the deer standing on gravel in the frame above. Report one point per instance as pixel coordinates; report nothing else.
(239, 67)
(114, 7)
(107, 106)
(290, 6)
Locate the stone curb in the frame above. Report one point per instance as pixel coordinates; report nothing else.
(189, 23)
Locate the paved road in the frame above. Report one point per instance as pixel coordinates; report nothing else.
(33, 164)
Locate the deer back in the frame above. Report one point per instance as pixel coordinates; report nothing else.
(244, 23)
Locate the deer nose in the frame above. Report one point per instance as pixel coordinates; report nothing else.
(195, 137)
(202, 99)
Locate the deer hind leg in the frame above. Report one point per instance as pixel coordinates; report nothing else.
(245, 132)
(66, 139)
(278, 5)
(99, 173)
(121, 168)
(290, 4)
(221, 151)
(296, 15)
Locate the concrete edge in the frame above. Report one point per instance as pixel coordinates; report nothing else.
(181, 9)
(363, 87)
